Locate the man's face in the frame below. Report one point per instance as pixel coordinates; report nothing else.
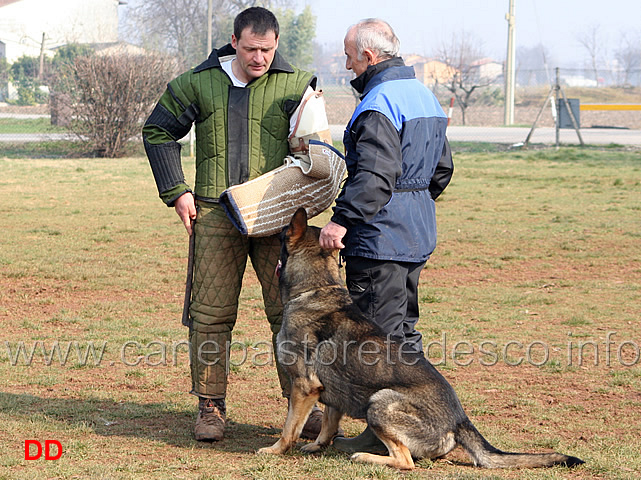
(254, 53)
(352, 62)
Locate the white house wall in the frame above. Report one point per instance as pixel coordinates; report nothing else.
(22, 24)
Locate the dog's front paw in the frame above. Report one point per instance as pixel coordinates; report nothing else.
(273, 450)
(311, 447)
(266, 451)
(362, 457)
(280, 447)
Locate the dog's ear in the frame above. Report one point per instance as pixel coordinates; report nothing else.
(298, 225)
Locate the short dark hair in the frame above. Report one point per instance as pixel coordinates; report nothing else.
(258, 19)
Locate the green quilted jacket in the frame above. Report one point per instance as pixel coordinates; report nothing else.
(241, 133)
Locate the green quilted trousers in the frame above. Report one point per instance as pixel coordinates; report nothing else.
(219, 264)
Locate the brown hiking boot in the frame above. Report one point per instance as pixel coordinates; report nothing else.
(210, 424)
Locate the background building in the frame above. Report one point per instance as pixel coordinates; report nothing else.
(29, 26)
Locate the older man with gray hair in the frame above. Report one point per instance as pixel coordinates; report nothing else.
(398, 161)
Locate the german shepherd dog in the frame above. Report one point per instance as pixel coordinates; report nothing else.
(334, 355)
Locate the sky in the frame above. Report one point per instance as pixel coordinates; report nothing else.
(423, 25)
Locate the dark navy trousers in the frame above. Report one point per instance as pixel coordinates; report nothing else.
(387, 293)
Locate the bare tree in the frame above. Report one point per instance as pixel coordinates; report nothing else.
(532, 65)
(460, 55)
(591, 40)
(4, 78)
(180, 26)
(110, 95)
(628, 56)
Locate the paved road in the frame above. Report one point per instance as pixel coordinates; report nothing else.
(23, 115)
(35, 137)
(514, 135)
(505, 135)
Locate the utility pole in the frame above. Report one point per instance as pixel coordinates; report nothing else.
(41, 65)
(210, 14)
(557, 119)
(510, 72)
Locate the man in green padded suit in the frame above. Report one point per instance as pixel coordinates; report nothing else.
(244, 99)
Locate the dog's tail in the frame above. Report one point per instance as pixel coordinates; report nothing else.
(485, 455)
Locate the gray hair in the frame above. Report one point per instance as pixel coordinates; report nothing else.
(376, 35)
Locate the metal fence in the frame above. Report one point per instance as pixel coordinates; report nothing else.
(615, 76)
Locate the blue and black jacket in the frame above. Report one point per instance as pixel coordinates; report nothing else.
(394, 142)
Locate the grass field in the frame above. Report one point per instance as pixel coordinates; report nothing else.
(530, 307)
(36, 125)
